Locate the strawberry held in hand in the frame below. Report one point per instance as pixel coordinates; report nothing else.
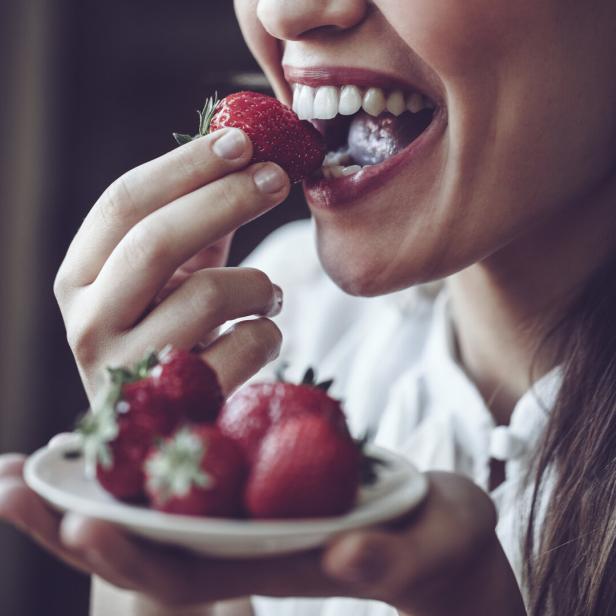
(250, 413)
(307, 466)
(198, 471)
(277, 134)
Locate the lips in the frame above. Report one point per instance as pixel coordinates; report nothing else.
(375, 125)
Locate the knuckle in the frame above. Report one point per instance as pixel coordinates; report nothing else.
(262, 340)
(147, 245)
(60, 286)
(82, 338)
(209, 299)
(237, 193)
(190, 163)
(117, 205)
(228, 194)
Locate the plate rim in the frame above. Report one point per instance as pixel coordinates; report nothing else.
(129, 516)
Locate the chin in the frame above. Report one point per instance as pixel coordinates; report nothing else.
(356, 283)
(360, 270)
(365, 261)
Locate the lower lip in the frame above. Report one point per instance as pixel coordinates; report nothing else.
(329, 194)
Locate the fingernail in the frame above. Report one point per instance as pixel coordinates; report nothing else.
(230, 145)
(277, 302)
(269, 179)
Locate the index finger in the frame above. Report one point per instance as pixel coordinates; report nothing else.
(145, 189)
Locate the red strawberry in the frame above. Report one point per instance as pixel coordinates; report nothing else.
(189, 385)
(141, 408)
(277, 134)
(145, 403)
(249, 414)
(306, 467)
(198, 471)
(118, 436)
(123, 478)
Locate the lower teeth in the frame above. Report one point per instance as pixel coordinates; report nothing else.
(338, 171)
(339, 164)
(339, 158)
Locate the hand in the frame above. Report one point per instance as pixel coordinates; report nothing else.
(443, 560)
(145, 268)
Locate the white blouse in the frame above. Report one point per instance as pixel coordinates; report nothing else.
(394, 366)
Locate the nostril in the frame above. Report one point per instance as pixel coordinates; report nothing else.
(294, 19)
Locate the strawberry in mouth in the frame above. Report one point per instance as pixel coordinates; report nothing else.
(375, 126)
(382, 127)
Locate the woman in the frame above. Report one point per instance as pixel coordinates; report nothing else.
(503, 181)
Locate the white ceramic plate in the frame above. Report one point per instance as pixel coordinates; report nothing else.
(61, 481)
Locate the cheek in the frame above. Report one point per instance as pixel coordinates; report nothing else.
(455, 37)
(265, 48)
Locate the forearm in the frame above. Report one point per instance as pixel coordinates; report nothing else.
(107, 599)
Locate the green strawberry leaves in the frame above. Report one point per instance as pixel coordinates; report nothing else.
(205, 119)
(182, 138)
(99, 426)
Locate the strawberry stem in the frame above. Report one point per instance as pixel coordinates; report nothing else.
(325, 385)
(205, 119)
(206, 115)
(99, 426)
(369, 464)
(182, 138)
(309, 377)
(280, 371)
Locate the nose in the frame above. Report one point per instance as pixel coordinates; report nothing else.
(290, 20)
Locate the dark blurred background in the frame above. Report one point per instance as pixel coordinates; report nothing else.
(88, 89)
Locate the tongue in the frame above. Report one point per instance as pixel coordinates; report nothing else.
(372, 140)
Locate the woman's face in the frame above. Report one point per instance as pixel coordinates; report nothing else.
(523, 130)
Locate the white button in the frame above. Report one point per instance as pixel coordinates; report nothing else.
(504, 445)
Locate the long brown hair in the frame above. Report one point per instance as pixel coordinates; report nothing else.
(571, 553)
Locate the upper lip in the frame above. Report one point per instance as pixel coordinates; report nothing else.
(316, 76)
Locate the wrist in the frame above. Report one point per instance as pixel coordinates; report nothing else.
(486, 586)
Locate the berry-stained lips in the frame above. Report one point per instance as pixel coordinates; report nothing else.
(371, 123)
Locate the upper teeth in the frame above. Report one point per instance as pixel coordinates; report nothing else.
(326, 102)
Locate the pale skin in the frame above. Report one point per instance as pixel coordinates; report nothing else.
(526, 220)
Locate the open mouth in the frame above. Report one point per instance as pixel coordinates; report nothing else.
(362, 126)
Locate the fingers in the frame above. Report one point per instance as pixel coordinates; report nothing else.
(11, 465)
(152, 250)
(145, 189)
(169, 576)
(215, 255)
(242, 351)
(206, 300)
(174, 577)
(366, 560)
(109, 553)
